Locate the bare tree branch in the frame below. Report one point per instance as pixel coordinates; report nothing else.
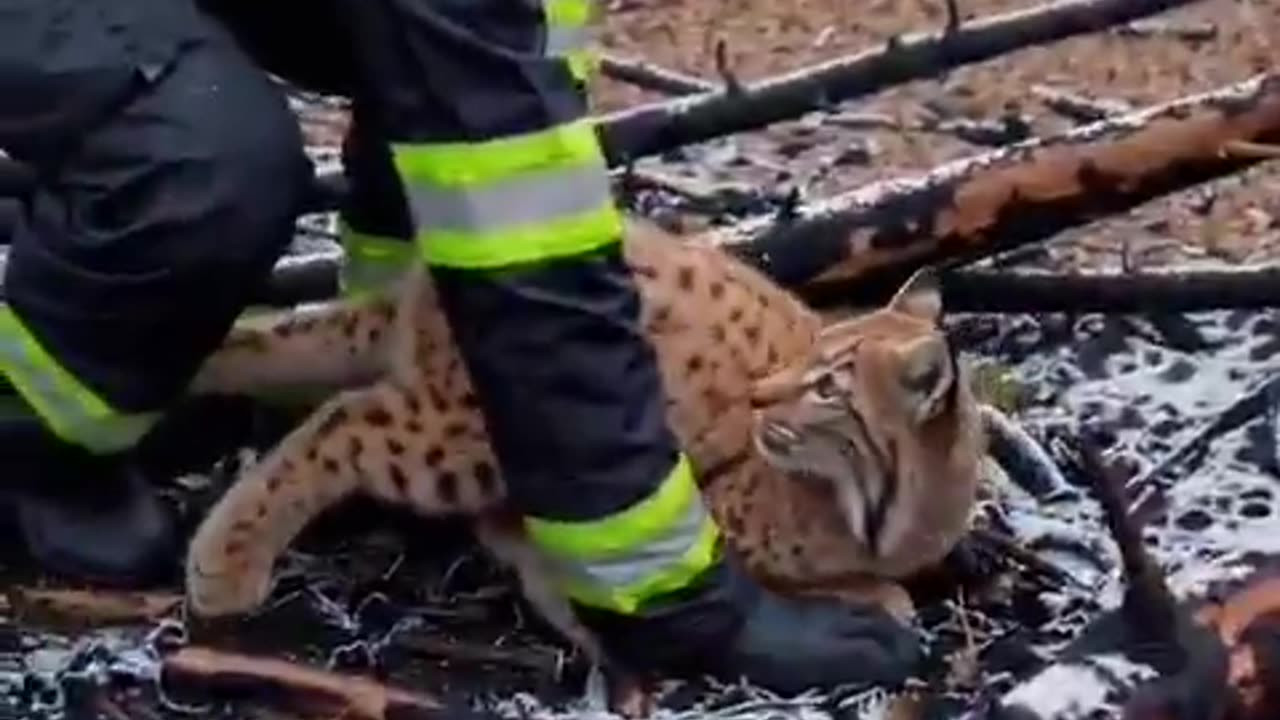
(659, 127)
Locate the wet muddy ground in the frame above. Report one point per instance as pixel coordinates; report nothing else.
(418, 606)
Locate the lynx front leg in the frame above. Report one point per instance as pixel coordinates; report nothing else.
(505, 539)
(867, 590)
(501, 533)
(233, 552)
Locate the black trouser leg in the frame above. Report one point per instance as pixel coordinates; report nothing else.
(171, 172)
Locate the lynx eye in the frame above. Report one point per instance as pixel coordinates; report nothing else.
(825, 388)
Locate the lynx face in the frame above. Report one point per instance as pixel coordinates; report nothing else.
(856, 412)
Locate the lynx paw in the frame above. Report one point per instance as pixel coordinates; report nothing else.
(887, 595)
(225, 581)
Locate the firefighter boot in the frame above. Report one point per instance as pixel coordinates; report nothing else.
(93, 518)
(730, 628)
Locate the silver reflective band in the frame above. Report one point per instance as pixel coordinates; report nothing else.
(644, 562)
(563, 39)
(522, 200)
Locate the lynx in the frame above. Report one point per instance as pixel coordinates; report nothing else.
(860, 468)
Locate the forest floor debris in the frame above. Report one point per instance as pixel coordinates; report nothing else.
(418, 609)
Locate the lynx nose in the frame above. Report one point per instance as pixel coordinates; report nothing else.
(778, 437)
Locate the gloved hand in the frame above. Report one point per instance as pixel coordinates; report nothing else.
(731, 628)
(90, 517)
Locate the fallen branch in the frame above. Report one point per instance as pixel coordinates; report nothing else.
(1187, 32)
(857, 247)
(293, 686)
(870, 239)
(1251, 404)
(1148, 607)
(1240, 148)
(652, 77)
(546, 662)
(1150, 628)
(66, 608)
(1171, 291)
(1078, 107)
(663, 126)
(1036, 565)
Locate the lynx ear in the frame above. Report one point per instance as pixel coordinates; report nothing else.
(926, 376)
(920, 296)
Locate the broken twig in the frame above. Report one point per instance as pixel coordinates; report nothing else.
(67, 608)
(1187, 32)
(547, 662)
(295, 687)
(649, 76)
(1077, 107)
(1251, 404)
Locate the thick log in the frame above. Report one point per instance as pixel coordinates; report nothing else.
(314, 279)
(873, 237)
(659, 127)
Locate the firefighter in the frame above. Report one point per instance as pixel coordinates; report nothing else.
(171, 173)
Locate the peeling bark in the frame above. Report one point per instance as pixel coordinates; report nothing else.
(873, 237)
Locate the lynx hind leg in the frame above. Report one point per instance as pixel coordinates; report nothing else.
(232, 554)
(888, 595)
(316, 350)
(505, 540)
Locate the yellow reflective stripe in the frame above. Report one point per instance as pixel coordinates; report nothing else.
(568, 13)
(540, 196)
(372, 261)
(583, 64)
(627, 599)
(570, 35)
(466, 164)
(622, 532)
(72, 411)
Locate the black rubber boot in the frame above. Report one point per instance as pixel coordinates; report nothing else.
(90, 518)
(731, 628)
